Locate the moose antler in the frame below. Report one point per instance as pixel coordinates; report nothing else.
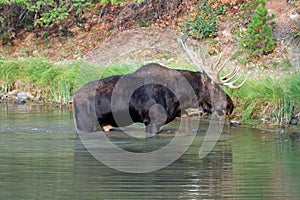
(231, 76)
(210, 70)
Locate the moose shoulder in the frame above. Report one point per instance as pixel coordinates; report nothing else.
(154, 95)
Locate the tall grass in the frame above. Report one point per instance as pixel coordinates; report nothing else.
(52, 82)
(30, 71)
(89, 72)
(276, 99)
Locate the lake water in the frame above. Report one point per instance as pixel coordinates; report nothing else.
(42, 158)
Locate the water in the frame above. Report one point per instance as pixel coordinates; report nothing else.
(41, 158)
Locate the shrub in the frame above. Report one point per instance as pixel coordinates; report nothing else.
(26, 14)
(257, 39)
(205, 23)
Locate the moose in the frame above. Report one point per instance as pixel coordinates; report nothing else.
(154, 95)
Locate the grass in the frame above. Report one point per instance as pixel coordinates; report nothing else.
(268, 98)
(41, 77)
(54, 82)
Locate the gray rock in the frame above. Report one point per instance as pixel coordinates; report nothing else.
(294, 121)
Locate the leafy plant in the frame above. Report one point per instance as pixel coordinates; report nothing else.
(55, 11)
(205, 23)
(116, 2)
(27, 14)
(257, 39)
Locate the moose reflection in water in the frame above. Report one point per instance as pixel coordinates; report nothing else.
(245, 163)
(153, 95)
(187, 178)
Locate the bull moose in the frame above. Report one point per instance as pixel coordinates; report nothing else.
(154, 95)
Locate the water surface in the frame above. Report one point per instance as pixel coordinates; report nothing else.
(41, 158)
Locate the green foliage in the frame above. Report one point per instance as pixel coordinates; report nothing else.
(268, 98)
(55, 11)
(205, 24)
(248, 8)
(27, 14)
(257, 39)
(54, 82)
(292, 88)
(116, 2)
(296, 32)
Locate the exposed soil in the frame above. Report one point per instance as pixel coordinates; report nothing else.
(159, 44)
(287, 18)
(143, 43)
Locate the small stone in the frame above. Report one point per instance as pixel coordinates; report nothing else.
(22, 96)
(235, 122)
(294, 121)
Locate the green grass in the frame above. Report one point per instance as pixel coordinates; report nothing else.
(268, 97)
(54, 82)
(40, 76)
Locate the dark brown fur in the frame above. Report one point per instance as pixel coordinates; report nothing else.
(166, 92)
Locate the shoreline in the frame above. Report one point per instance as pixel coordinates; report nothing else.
(261, 124)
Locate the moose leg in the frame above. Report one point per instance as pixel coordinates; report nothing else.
(185, 116)
(152, 129)
(155, 119)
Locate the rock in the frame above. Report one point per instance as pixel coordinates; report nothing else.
(294, 16)
(266, 120)
(235, 122)
(294, 121)
(3, 96)
(13, 93)
(38, 98)
(21, 97)
(19, 101)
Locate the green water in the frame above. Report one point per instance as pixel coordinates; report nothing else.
(41, 158)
